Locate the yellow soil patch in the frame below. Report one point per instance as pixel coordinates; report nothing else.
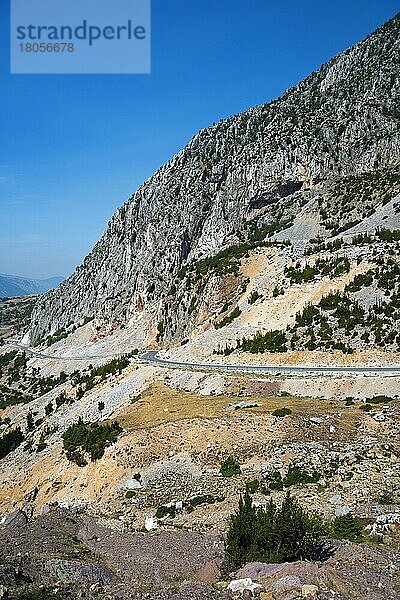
(255, 264)
(161, 404)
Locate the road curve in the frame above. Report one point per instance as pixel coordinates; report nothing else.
(151, 357)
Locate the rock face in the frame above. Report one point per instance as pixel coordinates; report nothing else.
(256, 168)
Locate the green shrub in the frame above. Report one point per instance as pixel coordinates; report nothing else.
(349, 401)
(230, 467)
(204, 499)
(297, 476)
(61, 399)
(229, 318)
(347, 527)
(282, 412)
(366, 407)
(254, 296)
(387, 497)
(129, 494)
(42, 445)
(30, 422)
(275, 481)
(277, 291)
(164, 511)
(10, 441)
(92, 438)
(252, 486)
(379, 400)
(275, 534)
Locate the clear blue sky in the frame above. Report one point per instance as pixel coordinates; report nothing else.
(73, 148)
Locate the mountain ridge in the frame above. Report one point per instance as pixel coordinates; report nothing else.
(14, 285)
(252, 171)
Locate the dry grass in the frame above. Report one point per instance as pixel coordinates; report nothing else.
(160, 404)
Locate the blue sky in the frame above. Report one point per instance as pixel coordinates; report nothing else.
(75, 147)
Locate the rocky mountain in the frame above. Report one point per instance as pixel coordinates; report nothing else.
(322, 161)
(123, 475)
(12, 285)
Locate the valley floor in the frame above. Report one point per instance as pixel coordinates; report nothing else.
(178, 426)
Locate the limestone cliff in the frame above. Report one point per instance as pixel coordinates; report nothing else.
(254, 170)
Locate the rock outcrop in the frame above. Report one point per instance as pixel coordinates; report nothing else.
(252, 171)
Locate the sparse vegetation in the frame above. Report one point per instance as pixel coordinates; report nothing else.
(230, 467)
(35, 593)
(96, 375)
(229, 318)
(333, 267)
(295, 475)
(282, 412)
(271, 341)
(388, 497)
(89, 438)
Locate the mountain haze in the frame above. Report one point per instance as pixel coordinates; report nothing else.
(12, 285)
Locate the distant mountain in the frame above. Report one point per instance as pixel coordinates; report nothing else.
(12, 285)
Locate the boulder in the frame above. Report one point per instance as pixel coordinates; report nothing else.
(340, 511)
(255, 570)
(304, 570)
(288, 583)
(241, 588)
(210, 572)
(15, 519)
(150, 523)
(45, 509)
(336, 499)
(266, 596)
(133, 483)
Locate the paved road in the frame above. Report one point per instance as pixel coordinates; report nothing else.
(151, 357)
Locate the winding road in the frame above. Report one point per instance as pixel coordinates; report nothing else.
(150, 357)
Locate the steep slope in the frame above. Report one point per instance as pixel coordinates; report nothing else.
(12, 285)
(243, 180)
